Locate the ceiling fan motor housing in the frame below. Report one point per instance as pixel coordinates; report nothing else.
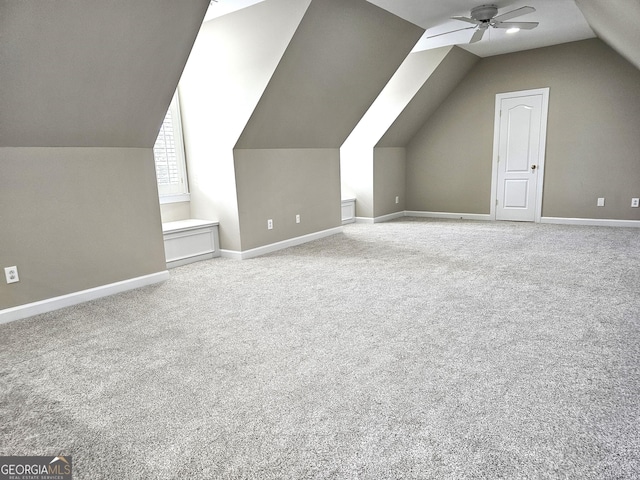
(484, 13)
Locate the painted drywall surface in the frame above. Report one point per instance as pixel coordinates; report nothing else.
(213, 190)
(77, 218)
(91, 73)
(447, 161)
(279, 184)
(592, 140)
(340, 58)
(389, 180)
(396, 95)
(356, 174)
(172, 212)
(421, 83)
(230, 65)
(356, 153)
(442, 79)
(332, 60)
(616, 22)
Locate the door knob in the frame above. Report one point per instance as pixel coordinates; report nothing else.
(533, 167)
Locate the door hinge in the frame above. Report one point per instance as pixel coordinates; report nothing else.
(496, 202)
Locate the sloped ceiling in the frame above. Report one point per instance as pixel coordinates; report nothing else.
(560, 22)
(341, 56)
(436, 88)
(617, 23)
(91, 73)
(220, 8)
(393, 99)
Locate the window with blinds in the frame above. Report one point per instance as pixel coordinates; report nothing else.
(169, 156)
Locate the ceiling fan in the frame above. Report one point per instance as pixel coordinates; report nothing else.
(484, 17)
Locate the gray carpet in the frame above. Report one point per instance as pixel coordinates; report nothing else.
(408, 349)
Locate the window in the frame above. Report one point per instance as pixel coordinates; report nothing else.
(171, 171)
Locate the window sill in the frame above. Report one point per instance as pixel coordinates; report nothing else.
(181, 197)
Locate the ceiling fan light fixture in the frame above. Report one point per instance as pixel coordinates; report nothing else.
(485, 17)
(484, 13)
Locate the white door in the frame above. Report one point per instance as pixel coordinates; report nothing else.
(521, 119)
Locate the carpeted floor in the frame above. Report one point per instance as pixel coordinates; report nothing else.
(408, 349)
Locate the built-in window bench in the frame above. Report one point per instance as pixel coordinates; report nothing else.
(348, 210)
(188, 241)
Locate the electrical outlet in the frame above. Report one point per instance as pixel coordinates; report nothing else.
(298, 218)
(12, 274)
(635, 202)
(397, 199)
(270, 224)
(600, 202)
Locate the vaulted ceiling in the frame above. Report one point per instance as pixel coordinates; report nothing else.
(60, 62)
(339, 59)
(617, 22)
(91, 73)
(560, 21)
(614, 21)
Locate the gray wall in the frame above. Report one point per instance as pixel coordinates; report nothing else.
(91, 73)
(616, 23)
(84, 87)
(389, 162)
(443, 77)
(229, 68)
(274, 77)
(341, 56)
(421, 83)
(77, 218)
(339, 60)
(356, 153)
(277, 184)
(592, 138)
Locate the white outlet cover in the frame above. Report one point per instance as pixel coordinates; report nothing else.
(600, 202)
(635, 202)
(11, 274)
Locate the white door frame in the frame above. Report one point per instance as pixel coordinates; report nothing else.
(543, 143)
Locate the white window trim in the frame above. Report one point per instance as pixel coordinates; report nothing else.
(183, 196)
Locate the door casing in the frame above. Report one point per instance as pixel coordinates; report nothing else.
(543, 142)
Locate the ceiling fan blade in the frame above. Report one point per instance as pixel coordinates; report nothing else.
(520, 25)
(452, 31)
(514, 13)
(467, 19)
(478, 35)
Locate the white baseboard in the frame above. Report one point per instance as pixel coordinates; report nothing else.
(390, 216)
(274, 247)
(380, 219)
(192, 259)
(456, 216)
(598, 222)
(595, 222)
(55, 303)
